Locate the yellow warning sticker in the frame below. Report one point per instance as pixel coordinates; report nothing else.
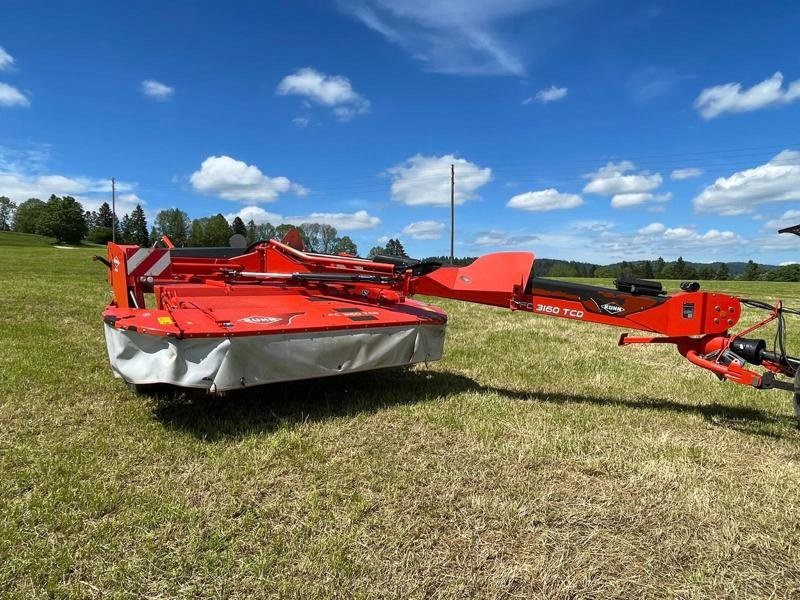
(165, 321)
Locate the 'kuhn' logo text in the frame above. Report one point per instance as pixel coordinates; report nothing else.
(612, 308)
(261, 320)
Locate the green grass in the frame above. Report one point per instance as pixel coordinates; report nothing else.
(537, 459)
(12, 238)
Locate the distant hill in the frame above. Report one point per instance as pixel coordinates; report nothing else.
(735, 268)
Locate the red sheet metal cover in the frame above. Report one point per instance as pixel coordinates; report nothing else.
(489, 280)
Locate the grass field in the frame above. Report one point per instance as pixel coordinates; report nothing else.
(536, 460)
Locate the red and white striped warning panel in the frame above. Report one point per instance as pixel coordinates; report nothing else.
(148, 262)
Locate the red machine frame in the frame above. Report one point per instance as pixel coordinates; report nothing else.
(697, 322)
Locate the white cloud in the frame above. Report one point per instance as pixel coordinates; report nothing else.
(637, 198)
(157, 90)
(787, 219)
(592, 226)
(627, 189)
(730, 97)
(11, 96)
(452, 36)
(333, 91)
(500, 239)
(301, 121)
(776, 181)
(384, 239)
(20, 185)
(6, 60)
(601, 242)
(546, 95)
(256, 214)
(424, 230)
(687, 173)
(690, 238)
(234, 179)
(653, 228)
(611, 180)
(425, 180)
(544, 200)
(356, 221)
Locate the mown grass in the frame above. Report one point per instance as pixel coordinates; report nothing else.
(536, 460)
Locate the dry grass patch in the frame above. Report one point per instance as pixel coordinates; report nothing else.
(536, 460)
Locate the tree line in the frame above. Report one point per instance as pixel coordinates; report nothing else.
(677, 269)
(64, 219)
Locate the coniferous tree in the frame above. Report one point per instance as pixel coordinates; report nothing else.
(395, 248)
(138, 227)
(252, 231)
(105, 217)
(239, 227)
(126, 235)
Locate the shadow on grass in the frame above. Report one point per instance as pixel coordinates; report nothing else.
(266, 408)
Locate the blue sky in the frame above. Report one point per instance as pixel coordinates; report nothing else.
(579, 129)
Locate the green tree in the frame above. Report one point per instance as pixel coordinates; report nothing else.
(99, 235)
(723, 273)
(105, 218)
(319, 237)
(138, 227)
(395, 248)
(252, 231)
(62, 218)
(282, 230)
(659, 265)
(239, 227)
(175, 224)
(377, 251)
(706, 272)
(7, 208)
(751, 271)
(784, 273)
(90, 216)
(28, 215)
(125, 233)
(265, 231)
(606, 272)
(680, 268)
(344, 245)
(563, 269)
(210, 232)
(154, 236)
(647, 270)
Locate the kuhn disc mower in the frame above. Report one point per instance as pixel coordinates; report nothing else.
(230, 318)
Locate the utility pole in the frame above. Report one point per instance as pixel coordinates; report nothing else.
(113, 210)
(452, 209)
